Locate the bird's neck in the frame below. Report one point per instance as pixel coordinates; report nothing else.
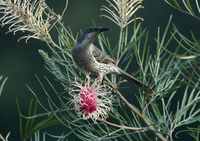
(86, 40)
(86, 44)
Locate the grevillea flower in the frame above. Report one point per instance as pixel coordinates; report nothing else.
(87, 101)
(91, 100)
(121, 11)
(27, 15)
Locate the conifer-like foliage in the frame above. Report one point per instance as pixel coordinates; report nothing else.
(186, 6)
(2, 83)
(114, 109)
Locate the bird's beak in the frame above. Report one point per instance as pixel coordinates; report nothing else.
(102, 29)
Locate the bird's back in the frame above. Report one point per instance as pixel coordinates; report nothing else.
(101, 56)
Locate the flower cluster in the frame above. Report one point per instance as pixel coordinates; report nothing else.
(26, 15)
(121, 11)
(91, 100)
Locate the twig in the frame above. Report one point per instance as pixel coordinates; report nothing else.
(127, 127)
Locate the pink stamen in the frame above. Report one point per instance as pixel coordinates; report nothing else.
(87, 101)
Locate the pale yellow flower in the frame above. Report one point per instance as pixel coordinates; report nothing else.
(27, 16)
(121, 11)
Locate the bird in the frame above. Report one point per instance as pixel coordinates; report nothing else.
(92, 60)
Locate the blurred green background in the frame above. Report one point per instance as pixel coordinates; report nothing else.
(20, 62)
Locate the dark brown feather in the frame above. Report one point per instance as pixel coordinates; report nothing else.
(102, 56)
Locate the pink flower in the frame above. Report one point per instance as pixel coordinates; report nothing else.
(92, 100)
(87, 101)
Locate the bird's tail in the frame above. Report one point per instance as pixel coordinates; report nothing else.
(139, 84)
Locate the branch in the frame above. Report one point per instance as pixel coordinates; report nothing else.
(136, 111)
(127, 127)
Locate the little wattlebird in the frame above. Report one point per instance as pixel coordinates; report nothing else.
(92, 60)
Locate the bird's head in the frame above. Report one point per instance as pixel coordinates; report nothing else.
(95, 30)
(90, 34)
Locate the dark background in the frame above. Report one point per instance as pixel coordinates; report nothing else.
(20, 62)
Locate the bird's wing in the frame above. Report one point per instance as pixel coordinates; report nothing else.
(102, 56)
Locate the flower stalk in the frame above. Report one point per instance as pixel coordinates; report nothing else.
(121, 12)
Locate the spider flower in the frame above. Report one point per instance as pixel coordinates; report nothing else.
(121, 11)
(27, 15)
(92, 100)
